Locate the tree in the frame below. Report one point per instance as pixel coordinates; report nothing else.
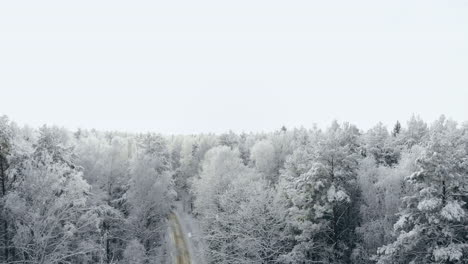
(150, 193)
(264, 158)
(381, 146)
(54, 143)
(338, 156)
(15, 150)
(319, 181)
(239, 215)
(415, 133)
(52, 218)
(105, 162)
(396, 129)
(6, 137)
(249, 226)
(188, 164)
(284, 144)
(305, 197)
(290, 196)
(220, 166)
(432, 226)
(229, 139)
(382, 189)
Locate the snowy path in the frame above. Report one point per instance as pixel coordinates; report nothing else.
(185, 237)
(182, 255)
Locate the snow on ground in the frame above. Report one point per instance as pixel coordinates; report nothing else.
(193, 235)
(179, 242)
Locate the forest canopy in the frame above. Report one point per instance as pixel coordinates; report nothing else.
(295, 195)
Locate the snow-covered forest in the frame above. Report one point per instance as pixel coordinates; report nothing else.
(295, 195)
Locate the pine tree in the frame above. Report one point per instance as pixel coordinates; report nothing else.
(396, 129)
(319, 182)
(432, 227)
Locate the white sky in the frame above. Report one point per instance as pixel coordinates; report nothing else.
(211, 66)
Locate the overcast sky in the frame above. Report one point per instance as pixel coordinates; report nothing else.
(210, 66)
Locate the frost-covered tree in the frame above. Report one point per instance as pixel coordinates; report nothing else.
(6, 138)
(246, 141)
(105, 161)
(220, 166)
(320, 183)
(229, 139)
(284, 144)
(6, 181)
(188, 163)
(382, 189)
(381, 146)
(249, 226)
(264, 158)
(432, 227)
(238, 212)
(396, 129)
(53, 220)
(192, 152)
(290, 196)
(15, 150)
(55, 143)
(415, 132)
(151, 193)
(297, 187)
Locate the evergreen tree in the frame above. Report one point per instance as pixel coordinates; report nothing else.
(320, 183)
(396, 129)
(432, 227)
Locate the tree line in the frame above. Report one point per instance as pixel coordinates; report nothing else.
(334, 195)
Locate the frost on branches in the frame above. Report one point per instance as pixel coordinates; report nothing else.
(433, 222)
(339, 195)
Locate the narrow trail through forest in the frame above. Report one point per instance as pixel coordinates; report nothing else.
(182, 255)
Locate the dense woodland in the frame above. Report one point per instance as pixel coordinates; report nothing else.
(334, 195)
